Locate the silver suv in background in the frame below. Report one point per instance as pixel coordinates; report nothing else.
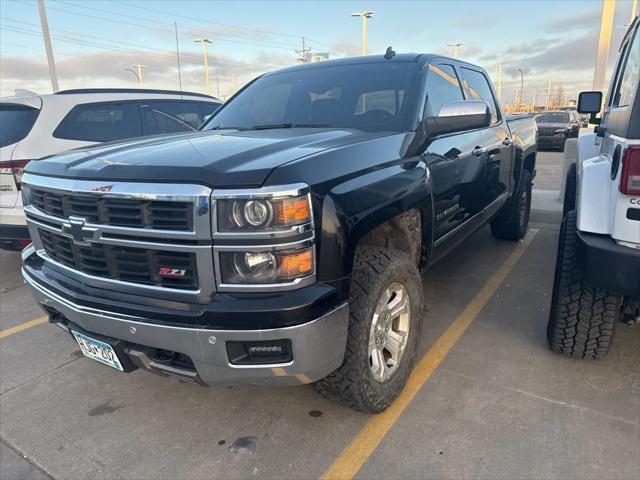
(37, 126)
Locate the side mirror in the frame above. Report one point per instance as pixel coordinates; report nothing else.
(590, 102)
(453, 117)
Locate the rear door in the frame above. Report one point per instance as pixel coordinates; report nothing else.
(16, 121)
(496, 177)
(621, 143)
(456, 161)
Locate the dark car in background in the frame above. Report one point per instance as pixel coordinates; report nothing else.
(555, 127)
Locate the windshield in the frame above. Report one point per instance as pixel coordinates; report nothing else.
(554, 117)
(16, 121)
(368, 97)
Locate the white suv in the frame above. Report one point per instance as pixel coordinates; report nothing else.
(597, 278)
(36, 126)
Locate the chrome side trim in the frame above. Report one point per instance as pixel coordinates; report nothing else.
(443, 238)
(274, 191)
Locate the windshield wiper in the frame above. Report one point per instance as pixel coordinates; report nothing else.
(289, 125)
(221, 127)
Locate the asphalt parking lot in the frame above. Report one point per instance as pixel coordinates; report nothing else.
(488, 399)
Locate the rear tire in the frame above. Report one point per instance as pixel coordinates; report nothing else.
(354, 384)
(570, 190)
(512, 222)
(582, 317)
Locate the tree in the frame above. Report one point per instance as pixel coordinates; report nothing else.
(557, 98)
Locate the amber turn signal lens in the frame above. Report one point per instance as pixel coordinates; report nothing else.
(292, 211)
(297, 264)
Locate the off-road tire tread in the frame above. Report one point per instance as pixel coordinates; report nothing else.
(348, 385)
(506, 225)
(570, 190)
(582, 318)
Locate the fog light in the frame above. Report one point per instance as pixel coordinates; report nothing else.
(270, 351)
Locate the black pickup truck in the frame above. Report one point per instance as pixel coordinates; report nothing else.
(282, 244)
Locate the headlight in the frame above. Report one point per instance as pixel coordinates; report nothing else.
(266, 214)
(265, 267)
(263, 239)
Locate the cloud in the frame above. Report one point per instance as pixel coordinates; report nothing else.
(582, 20)
(108, 69)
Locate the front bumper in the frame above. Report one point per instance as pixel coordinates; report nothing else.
(318, 345)
(555, 141)
(608, 265)
(14, 237)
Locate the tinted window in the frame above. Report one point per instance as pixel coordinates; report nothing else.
(101, 122)
(168, 116)
(554, 117)
(630, 76)
(333, 96)
(443, 87)
(16, 122)
(479, 89)
(384, 101)
(207, 109)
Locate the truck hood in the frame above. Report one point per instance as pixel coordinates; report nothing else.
(214, 158)
(553, 125)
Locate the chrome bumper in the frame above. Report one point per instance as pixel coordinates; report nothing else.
(318, 346)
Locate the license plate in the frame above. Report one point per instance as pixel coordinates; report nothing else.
(97, 350)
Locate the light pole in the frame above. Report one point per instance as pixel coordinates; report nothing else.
(47, 46)
(205, 54)
(137, 72)
(521, 86)
(500, 82)
(604, 42)
(456, 46)
(363, 16)
(549, 94)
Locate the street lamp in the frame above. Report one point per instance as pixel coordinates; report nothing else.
(138, 72)
(205, 54)
(364, 16)
(455, 46)
(521, 86)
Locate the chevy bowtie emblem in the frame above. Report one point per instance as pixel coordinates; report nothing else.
(76, 227)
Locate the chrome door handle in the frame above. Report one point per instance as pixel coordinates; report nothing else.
(478, 151)
(507, 142)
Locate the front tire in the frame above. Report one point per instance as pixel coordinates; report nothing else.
(512, 222)
(570, 190)
(385, 309)
(582, 317)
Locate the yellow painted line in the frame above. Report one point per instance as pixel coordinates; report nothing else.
(347, 465)
(23, 326)
(279, 372)
(303, 378)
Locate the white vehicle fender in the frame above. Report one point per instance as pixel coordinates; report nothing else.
(587, 147)
(594, 194)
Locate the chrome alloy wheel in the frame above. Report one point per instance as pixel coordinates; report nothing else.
(389, 331)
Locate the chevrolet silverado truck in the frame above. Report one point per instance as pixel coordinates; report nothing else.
(597, 275)
(283, 243)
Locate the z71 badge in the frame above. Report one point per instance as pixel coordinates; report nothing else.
(172, 272)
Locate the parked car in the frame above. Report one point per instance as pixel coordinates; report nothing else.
(555, 127)
(282, 244)
(37, 126)
(597, 276)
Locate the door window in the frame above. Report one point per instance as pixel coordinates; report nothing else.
(629, 76)
(101, 122)
(168, 116)
(479, 89)
(443, 87)
(16, 121)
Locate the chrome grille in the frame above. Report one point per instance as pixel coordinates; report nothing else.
(135, 265)
(133, 213)
(118, 236)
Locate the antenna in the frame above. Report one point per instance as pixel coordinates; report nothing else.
(390, 53)
(175, 25)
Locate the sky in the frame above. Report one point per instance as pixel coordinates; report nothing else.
(95, 41)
